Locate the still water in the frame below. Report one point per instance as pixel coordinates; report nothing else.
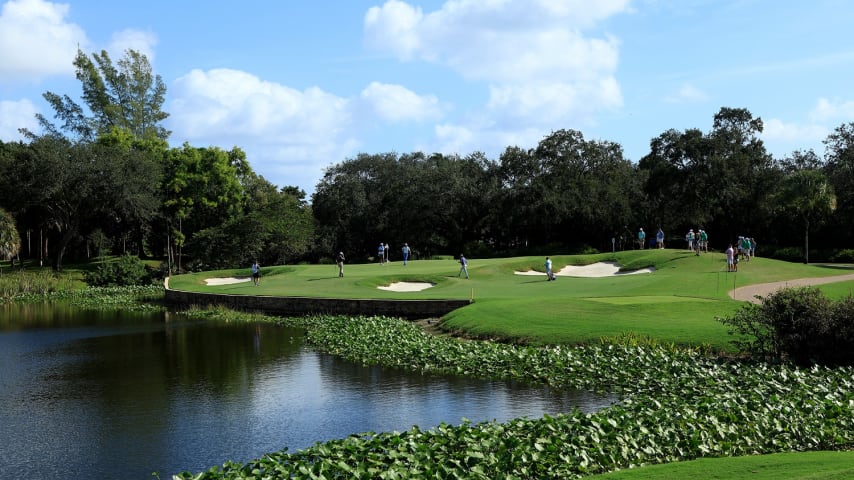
(120, 395)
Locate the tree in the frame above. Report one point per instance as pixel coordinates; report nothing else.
(807, 195)
(71, 189)
(126, 96)
(135, 175)
(201, 189)
(10, 240)
(698, 180)
(586, 186)
(739, 173)
(519, 198)
(839, 167)
(275, 227)
(671, 170)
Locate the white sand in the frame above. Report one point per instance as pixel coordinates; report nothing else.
(226, 280)
(407, 286)
(601, 269)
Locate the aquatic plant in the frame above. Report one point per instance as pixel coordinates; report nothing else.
(675, 405)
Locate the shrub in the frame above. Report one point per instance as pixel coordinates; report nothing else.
(127, 270)
(842, 256)
(840, 350)
(32, 282)
(798, 324)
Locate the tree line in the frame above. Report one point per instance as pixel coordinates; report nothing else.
(103, 180)
(569, 194)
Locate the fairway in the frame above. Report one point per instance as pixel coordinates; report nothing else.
(677, 302)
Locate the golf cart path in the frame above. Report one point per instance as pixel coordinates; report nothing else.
(749, 292)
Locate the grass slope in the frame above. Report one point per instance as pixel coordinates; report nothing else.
(782, 466)
(676, 304)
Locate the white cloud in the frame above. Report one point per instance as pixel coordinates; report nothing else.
(454, 138)
(539, 62)
(483, 135)
(230, 102)
(396, 103)
(687, 94)
(782, 138)
(290, 132)
(36, 40)
(775, 129)
(131, 39)
(549, 103)
(15, 115)
(825, 110)
(499, 40)
(394, 26)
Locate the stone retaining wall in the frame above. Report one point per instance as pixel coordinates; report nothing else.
(298, 306)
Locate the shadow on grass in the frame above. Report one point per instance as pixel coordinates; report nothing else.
(847, 267)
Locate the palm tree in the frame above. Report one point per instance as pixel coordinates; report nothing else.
(807, 195)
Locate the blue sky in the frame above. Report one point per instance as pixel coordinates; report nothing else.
(303, 85)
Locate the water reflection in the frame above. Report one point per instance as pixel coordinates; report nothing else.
(120, 395)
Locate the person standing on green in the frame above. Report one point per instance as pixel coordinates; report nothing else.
(549, 274)
(463, 266)
(405, 253)
(339, 260)
(641, 238)
(745, 248)
(256, 273)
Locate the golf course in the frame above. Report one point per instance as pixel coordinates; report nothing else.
(670, 295)
(641, 324)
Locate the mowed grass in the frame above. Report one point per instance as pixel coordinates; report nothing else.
(782, 466)
(677, 303)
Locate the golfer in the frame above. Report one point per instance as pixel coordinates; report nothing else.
(463, 265)
(256, 273)
(549, 275)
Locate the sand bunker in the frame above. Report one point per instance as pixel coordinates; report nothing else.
(226, 280)
(407, 286)
(601, 269)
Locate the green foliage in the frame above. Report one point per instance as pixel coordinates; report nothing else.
(132, 298)
(10, 240)
(127, 270)
(676, 405)
(798, 324)
(24, 282)
(842, 256)
(127, 95)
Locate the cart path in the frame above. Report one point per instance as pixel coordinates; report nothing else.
(748, 293)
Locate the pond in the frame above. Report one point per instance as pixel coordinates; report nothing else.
(106, 395)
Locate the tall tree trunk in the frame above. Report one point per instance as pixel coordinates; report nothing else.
(64, 240)
(807, 242)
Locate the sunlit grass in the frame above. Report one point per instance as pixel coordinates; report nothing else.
(678, 303)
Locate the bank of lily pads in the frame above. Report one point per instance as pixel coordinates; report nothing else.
(675, 405)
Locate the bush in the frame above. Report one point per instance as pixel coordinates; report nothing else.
(32, 282)
(842, 256)
(797, 324)
(127, 270)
